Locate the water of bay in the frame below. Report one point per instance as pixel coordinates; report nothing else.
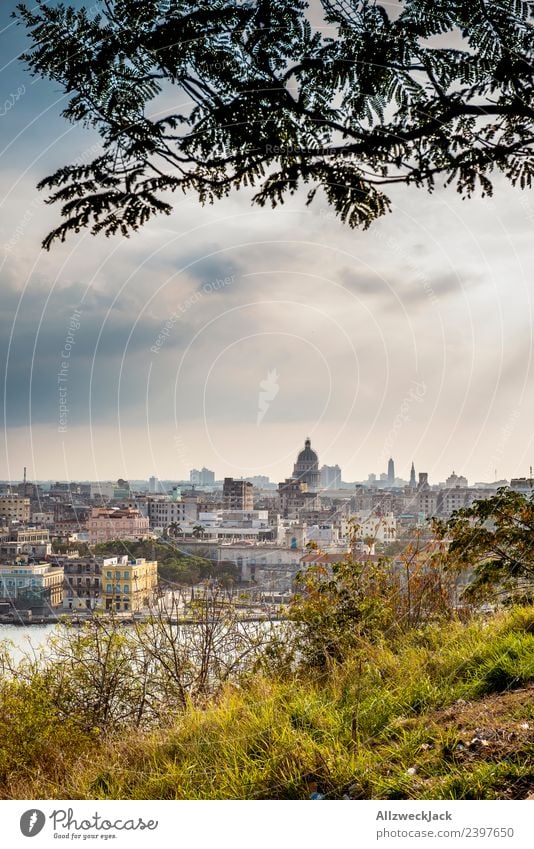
(25, 638)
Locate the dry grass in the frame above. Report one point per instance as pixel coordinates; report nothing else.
(444, 713)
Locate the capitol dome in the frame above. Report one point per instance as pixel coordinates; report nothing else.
(306, 469)
(307, 454)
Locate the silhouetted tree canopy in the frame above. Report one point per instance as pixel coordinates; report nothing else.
(342, 97)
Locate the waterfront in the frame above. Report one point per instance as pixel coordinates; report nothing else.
(24, 638)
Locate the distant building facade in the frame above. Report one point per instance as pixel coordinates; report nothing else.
(129, 585)
(293, 496)
(14, 508)
(34, 586)
(109, 524)
(522, 485)
(163, 513)
(34, 542)
(202, 477)
(455, 480)
(237, 494)
(330, 477)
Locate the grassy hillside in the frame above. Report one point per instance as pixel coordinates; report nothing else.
(445, 713)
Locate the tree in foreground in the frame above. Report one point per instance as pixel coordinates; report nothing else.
(348, 98)
(494, 538)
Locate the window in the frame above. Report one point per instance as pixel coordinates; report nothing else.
(108, 588)
(117, 574)
(108, 574)
(126, 588)
(126, 574)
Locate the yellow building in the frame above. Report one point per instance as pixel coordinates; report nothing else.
(128, 584)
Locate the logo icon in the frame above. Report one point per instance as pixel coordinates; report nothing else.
(268, 392)
(32, 822)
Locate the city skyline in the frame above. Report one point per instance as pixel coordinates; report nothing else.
(223, 335)
(378, 476)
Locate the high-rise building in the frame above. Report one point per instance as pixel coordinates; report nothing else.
(202, 477)
(260, 481)
(391, 471)
(423, 480)
(237, 494)
(306, 469)
(455, 480)
(330, 477)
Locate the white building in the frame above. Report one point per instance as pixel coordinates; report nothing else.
(275, 565)
(34, 542)
(366, 525)
(231, 526)
(163, 512)
(454, 499)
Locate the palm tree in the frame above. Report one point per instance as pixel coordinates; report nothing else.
(198, 532)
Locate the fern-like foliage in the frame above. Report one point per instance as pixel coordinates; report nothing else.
(265, 99)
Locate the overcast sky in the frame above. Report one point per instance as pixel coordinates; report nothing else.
(412, 339)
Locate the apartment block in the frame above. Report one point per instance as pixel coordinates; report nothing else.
(129, 585)
(237, 494)
(14, 508)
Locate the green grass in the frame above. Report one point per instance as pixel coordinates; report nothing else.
(359, 731)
